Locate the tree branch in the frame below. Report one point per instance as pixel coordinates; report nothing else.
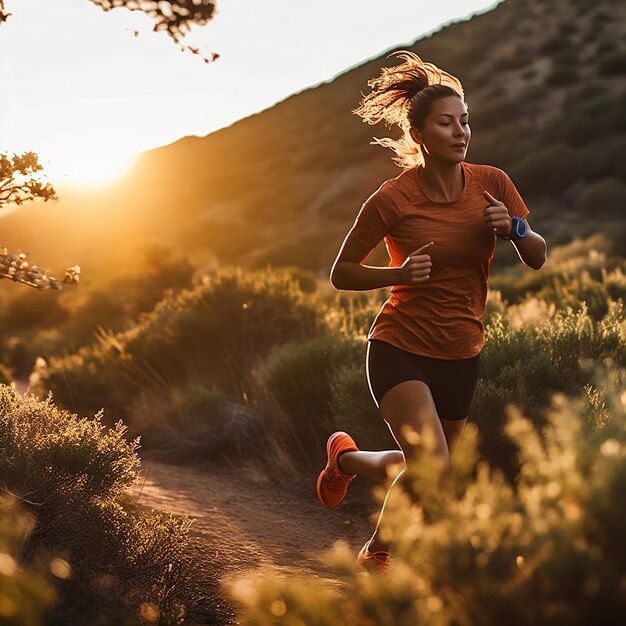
(175, 17)
(15, 267)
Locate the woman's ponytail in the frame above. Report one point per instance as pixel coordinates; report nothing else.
(401, 95)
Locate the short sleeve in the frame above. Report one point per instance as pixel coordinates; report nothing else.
(375, 219)
(511, 197)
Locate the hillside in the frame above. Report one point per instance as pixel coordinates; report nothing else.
(545, 82)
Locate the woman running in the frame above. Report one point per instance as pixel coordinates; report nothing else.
(439, 219)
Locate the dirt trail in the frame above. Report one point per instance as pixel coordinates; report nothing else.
(243, 528)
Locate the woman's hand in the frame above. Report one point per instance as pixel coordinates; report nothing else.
(416, 268)
(531, 249)
(497, 215)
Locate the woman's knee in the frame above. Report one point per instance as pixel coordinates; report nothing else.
(410, 412)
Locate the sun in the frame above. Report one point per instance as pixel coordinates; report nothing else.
(86, 168)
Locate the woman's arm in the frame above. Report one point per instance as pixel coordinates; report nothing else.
(531, 249)
(349, 273)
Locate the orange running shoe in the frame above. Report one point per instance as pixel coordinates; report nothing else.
(374, 561)
(332, 483)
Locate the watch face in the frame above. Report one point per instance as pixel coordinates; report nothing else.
(519, 227)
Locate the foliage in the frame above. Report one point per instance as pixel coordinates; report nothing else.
(6, 378)
(25, 594)
(242, 361)
(3, 14)
(469, 548)
(175, 17)
(71, 474)
(15, 267)
(525, 366)
(35, 324)
(212, 336)
(193, 424)
(300, 376)
(354, 411)
(20, 182)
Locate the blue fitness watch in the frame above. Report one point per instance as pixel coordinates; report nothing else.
(518, 230)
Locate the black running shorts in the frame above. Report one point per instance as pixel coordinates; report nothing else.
(451, 383)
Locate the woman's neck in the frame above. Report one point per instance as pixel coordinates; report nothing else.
(441, 182)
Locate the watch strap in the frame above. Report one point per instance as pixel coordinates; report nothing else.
(518, 230)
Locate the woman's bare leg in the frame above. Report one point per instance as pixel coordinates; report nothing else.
(410, 412)
(380, 466)
(453, 429)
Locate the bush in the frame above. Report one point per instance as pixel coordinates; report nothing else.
(212, 335)
(353, 409)
(6, 378)
(525, 367)
(196, 425)
(51, 323)
(301, 376)
(545, 551)
(25, 593)
(71, 475)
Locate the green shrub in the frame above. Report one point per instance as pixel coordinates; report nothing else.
(212, 335)
(515, 287)
(545, 551)
(301, 375)
(352, 313)
(50, 323)
(32, 308)
(193, 424)
(71, 474)
(25, 593)
(527, 365)
(581, 290)
(353, 409)
(6, 377)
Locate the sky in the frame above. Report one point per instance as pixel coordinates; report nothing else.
(86, 93)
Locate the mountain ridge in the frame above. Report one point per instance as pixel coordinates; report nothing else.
(282, 186)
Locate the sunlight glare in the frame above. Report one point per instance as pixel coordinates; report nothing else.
(64, 166)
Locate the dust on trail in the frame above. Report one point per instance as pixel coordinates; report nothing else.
(243, 528)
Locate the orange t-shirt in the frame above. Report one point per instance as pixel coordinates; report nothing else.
(443, 317)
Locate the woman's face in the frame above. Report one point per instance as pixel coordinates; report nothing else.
(446, 132)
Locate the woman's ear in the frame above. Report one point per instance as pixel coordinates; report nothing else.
(415, 135)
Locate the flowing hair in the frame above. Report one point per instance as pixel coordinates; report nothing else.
(402, 95)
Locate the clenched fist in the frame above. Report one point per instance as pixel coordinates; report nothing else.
(497, 215)
(416, 267)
